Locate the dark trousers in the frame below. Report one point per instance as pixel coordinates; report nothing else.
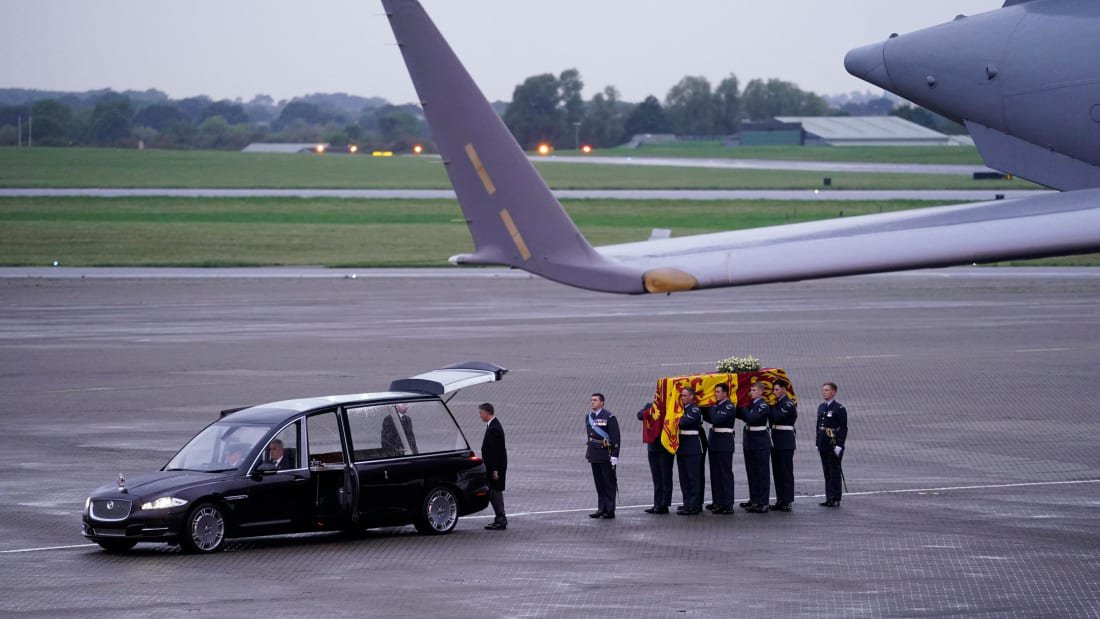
(691, 484)
(721, 477)
(604, 477)
(783, 471)
(496, 499)
(830, 465)
(756, 469)
(660, 466)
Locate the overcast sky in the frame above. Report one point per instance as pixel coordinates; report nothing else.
(285, 48)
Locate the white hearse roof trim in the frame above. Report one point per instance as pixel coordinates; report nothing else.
(451, 378)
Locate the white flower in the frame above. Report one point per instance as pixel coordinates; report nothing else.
(736, 365)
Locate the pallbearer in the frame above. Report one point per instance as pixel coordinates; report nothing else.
(758, 447)
(783, 416)
(722, 416)
(689, 456)
(660, 467)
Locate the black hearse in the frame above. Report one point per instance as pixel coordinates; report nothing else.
(345, 462)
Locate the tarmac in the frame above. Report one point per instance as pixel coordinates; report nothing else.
(972, 462)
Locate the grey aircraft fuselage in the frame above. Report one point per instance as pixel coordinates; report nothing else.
(1025, 79)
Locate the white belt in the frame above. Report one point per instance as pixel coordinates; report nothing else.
(756, 428)
(689, 433)
(791, 428)
(723, 430)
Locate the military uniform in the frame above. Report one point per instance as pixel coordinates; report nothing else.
(722, 416)
(689, 458)
(757, 446)
(660, 467)
(832, 431)
(603, 444)
(783, 416)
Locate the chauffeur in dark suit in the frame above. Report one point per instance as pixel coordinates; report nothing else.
(277, 455)
(722, 417)
(495, 455)
(832, 432)
(757, 446)
(602, 452)
(689, 455)
(783, 416)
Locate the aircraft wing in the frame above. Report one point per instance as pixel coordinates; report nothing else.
(515, 220)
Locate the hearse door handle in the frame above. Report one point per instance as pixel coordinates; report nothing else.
(298, 479)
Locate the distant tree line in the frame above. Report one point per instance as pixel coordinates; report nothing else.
(105, 118)
(550, 108)
(544, 108)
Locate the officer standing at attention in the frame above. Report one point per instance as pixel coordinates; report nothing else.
(784, 414)
(757, 446)
(832, 431)
(660, 466)
(689, 456)
(603, 453)
(722, 416)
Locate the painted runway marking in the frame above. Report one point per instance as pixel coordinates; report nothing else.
(6, 552)
(1045, 350)
(818, 496)
(551, 512)
(871, 357)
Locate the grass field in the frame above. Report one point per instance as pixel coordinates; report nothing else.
(113, 168)
(232, 232)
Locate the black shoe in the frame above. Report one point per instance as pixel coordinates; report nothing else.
(783, 507)
(659, 510)
(827, 504)
(598, 514)
(608, 516)
(758, 509)
(652, 510)
(711, 506)
(745, 505)
(722, 509)
(835, 504)
(496, 526)
(689, 512)
(682, 508)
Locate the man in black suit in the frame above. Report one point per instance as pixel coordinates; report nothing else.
(277, 455)
(495, 455)
(832, 432)
(391, 438)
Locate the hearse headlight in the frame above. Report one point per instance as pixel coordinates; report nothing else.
(164, 502)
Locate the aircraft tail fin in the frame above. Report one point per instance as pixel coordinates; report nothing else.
(513, 216)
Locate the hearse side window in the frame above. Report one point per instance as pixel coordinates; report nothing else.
(434, 427)
(324, 440)
(384, 431)
(283, 449)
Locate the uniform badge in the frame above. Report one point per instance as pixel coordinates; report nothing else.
(830, 414)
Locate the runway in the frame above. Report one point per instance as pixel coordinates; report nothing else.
(972, 461)
(770, 164)
(805, 195)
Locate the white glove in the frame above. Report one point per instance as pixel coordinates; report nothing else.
(837, 450)
(614, 461)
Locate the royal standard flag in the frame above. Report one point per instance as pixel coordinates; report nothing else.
(662, 420)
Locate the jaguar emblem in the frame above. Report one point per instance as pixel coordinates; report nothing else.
(110, 505)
